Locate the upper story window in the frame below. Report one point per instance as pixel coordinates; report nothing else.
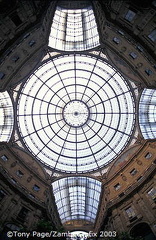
(74, 29)
(117, 186)
(32, 43)
(15, 58)
(4, 158)
(133, 172)
(16, 19)
(2, 194)
(19, 173)
(148, 72)
(13, 181)
(31, 196)
(152, 35)
(130, 212)
(152, 193)
(121, 32)
(148, 155)
(116, 40)
(133, 55)
(2, 75)
(130, 15)
(140, 49)
(22, 214)
(36, 188)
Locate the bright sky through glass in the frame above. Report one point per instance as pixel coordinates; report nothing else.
(81, 234)
(77, 198)
(147, 113)
(76, 113)
(6, 117)
(74, 30)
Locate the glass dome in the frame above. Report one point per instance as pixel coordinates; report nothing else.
(76, 113)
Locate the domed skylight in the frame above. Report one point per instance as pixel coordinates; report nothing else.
(76, 113)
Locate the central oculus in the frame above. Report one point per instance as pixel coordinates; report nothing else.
(75, 113)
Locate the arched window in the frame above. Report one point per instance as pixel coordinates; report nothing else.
(147, 113)
(77, 198)
(74, 29)
(6, 117)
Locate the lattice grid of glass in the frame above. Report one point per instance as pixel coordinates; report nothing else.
(147, 113)
(74, 30)
(77, 198)
(6, 117)
(76, 113)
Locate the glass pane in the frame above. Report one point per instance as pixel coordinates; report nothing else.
(79, 198)
(147, 113)
(74, 30)
(6, 117)
(79, 119)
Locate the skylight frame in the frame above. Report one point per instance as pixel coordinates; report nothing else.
(6, 117)
(77, 198)
(147, 113)
(74, 30)
(90, 68)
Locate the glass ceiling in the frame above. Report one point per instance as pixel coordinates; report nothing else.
(77, 198)
(74, 29)
(76, 113)
(6, 117)
(147, 113)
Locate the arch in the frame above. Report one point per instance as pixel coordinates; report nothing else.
(142, 230)
(8, 227)
(12, 226)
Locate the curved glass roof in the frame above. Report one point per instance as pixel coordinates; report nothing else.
(76, 113)
(147, 113)
(74, 29)
(6, 117)
(77, 198)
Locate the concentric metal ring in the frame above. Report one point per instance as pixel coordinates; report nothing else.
(76, 113)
